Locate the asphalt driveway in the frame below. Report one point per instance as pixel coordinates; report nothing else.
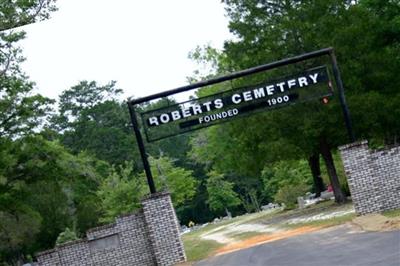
(336, 246)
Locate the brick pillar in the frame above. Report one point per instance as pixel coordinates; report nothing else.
(366, 177)
(163, 227)
(357, 165)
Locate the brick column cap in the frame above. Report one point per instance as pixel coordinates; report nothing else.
(354, 144)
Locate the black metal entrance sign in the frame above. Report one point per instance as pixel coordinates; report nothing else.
(221, 107)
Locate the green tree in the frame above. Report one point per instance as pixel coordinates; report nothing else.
(174, 179)
(46, 188)
(284, 181)
(76, 101)
(121, 192)
(92, 119)
(18, 13)
(262, 25)
(242, 151)
(221, 148)
(271, 30)
(221, 195)
(66, 236)
(21, 112)
(17, 231)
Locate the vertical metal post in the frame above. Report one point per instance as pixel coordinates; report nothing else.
(142, 149)
(342, 97)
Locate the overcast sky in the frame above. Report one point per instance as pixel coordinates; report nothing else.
(143, 45)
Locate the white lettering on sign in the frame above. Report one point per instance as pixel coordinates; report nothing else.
(291, 83)
(217, 116)
(280, 85)
(237, 98)
(197, 109)
(270, 89)
(164, 118)
(314, 77)
(175, 115)
(303, 82)
(208, 106)
(247, 96)
(186, 112)
(218, 103)
(259, 93)
(153, 121)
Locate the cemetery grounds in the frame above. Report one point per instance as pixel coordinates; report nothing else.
(228, 235)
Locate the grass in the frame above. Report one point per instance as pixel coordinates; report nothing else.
(329, 204)
(326, 223)
(392, 213)
(265, 215)
(244, 235)
(198, 249)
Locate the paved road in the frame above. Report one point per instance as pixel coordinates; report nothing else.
(338, 246)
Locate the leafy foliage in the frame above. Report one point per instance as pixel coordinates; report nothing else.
(285, 174)
(21, 12)
(66, 236)
(20, 111)
(17, 231)
(272, 30)
(177, 180)
(45, 189)
(288, 194)
(92, 119)
(221, 195)
(120, 192)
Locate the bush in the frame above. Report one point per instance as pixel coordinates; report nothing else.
(66, 236)
(284, 181)
(289, 193)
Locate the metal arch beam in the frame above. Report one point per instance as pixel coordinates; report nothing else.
(234, 75)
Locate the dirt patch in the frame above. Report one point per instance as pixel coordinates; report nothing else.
(270, 225)
(261, 239)
(225, 234)
(320, 216)
(307, 213)
(377, 222)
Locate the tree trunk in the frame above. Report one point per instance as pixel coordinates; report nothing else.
(254, 201)
(228, 213)
(330, 166)
(245, 203)
(313, 162)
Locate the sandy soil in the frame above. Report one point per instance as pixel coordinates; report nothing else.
(223, 235)
(256, 240)
(377, 222)
(320, 216)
